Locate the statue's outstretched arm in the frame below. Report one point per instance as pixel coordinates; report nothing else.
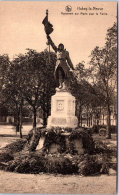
(51, 43)
(69, 61)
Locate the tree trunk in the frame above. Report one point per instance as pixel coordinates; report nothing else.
(20, 121)
(44, 119)
(87, 119)
(79, 115)
(108, 123)
(81, 120)
(17, 121)
(34, 117)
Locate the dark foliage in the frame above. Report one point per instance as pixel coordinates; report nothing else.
(55, 136)
(102, 148)
(27, 163)
(93, 164)
(15, 147)
(6, 156)
(109, 152)
(36, 163)
(61, 165)
(7, 153)
(87, 140)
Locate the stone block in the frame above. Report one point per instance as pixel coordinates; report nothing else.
(54, 148)
(41, 142)
(62, 111)
(78, 145)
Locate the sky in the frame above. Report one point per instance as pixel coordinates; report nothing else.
(21, 26)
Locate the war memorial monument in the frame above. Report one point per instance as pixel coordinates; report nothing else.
(62, 103)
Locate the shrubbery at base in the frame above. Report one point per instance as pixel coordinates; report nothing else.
(95, 160)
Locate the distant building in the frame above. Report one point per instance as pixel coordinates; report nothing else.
(98, 117)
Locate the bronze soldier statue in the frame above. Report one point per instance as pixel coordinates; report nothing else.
(63, 65)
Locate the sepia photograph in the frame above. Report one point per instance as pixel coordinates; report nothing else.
(58, 97)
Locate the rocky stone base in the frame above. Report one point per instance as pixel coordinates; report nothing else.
(53, 148)
(57, 141)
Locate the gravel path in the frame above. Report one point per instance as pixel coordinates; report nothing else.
(51, 184)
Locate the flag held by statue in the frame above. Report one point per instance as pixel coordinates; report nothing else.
(47, 25)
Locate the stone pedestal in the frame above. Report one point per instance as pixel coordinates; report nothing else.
(62, 111)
